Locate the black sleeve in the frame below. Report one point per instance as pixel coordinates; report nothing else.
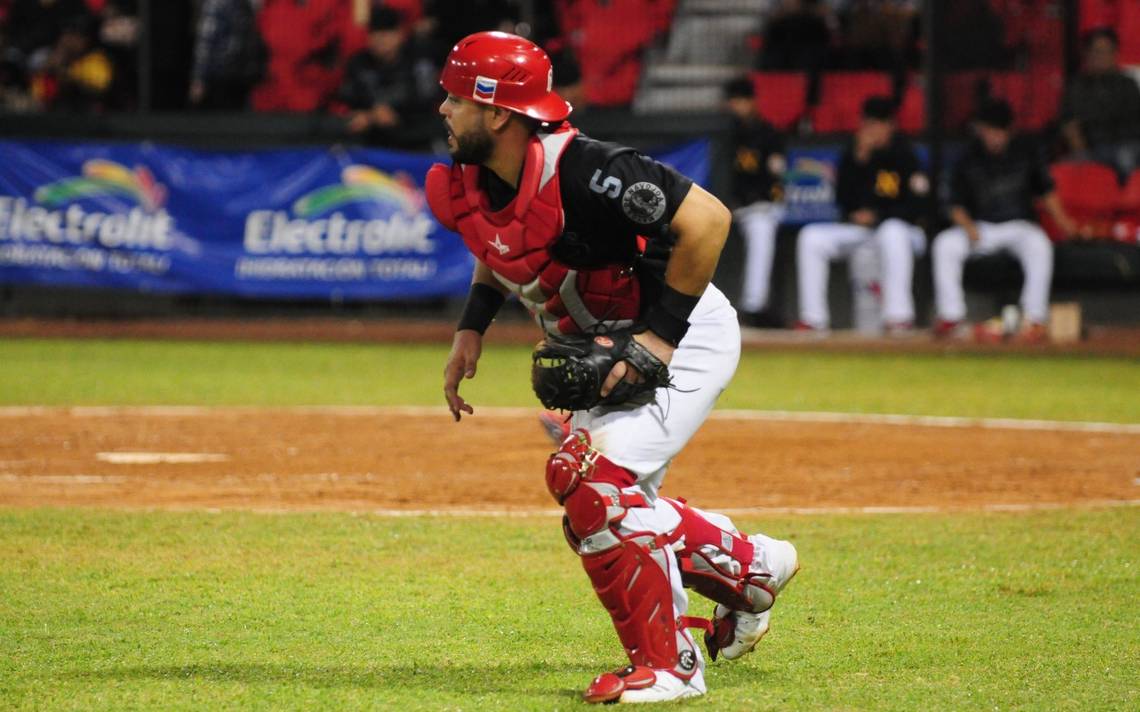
(1040, 180)
(352, 91)
(961, 189)
(648, 195)
(911, 202)
(848, 192)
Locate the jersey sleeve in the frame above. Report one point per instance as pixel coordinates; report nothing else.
(1040, 181)
(961, 188)
(637, 191)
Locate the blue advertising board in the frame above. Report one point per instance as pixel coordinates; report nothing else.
(335, 223)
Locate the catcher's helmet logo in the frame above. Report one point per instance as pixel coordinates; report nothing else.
(643, 202)
(687, 660)
(604, 341)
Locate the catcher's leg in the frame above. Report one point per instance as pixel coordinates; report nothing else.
(743, 575)
(632, 569)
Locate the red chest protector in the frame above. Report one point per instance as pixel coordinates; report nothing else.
(515, 242)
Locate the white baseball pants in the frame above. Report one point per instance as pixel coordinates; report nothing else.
(1023, 239)
(645, 439)
(759, 223)
(820, 243)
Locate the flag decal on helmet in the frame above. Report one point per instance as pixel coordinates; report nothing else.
(485, 89)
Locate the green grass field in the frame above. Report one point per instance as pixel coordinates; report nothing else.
(157, 610)
(61, 372)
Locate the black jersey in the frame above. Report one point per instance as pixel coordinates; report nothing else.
(890, 182)
(759, 150)
(611, 194)
(997, 188)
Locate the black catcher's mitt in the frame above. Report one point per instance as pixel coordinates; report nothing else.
(568, 371)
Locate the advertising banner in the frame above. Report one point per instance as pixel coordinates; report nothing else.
(335, 223)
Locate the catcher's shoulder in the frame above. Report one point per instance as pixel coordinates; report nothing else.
(585, 152)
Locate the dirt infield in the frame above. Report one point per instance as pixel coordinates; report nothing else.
(392, 459)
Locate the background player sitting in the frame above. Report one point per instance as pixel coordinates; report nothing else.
(994, 186)
(757, 198)
(880, 192)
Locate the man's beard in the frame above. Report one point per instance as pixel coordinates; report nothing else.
(474, 148)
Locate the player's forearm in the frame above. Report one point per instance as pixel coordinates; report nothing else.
(483, 301)
(961, 217)
(701, 226)
(1052, 205)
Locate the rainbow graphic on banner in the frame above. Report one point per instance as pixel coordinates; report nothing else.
(362, 183)
(102, 178)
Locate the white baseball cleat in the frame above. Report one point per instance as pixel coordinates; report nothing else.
(780, 559)
(666, 688)
(637, 683)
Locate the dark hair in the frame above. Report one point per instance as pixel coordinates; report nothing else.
(879, 107)
(740, 87)
(383, 19)
(532, 124)
(1101, 33)
(996, 113)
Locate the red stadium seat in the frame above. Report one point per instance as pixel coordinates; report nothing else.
(612, 38)
(1127, 225)
(1130, 195)
(1034, 97)
(1090, 193)
(841, 98)
(781, 96)
(1129, 31)
(912, 110)
(1098, 13)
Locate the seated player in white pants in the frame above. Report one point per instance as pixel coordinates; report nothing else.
(994, 186)
(758, 194)
(880, 192)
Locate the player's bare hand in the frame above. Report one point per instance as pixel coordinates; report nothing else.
(973, 234)
(657, 346)
(466, 348)
(864, 216)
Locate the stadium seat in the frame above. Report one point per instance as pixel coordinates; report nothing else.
(912, 109)
(1097, 13)
(1091, 195)
(781, 96)
(613, 37)
(841, 98)
(1129, 31)
(1035, 97)
(1127, 225)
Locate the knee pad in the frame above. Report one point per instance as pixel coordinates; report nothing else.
(576, 460)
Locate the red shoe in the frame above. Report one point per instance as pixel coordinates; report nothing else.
(945, 328)
(990, 331)
(1032, 333)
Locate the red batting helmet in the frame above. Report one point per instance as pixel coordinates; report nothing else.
(504, 70)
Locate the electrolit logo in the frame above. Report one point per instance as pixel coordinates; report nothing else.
(369, 212)
(92, 209)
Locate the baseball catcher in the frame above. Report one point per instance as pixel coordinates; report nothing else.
(612, 253)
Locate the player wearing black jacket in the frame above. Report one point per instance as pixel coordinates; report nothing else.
(994, 187)
(758, 197)
(880, 192)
